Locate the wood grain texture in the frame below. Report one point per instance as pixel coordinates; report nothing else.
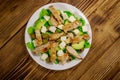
(14, 58)
(16, 16)
(109, 63)
(101, 63)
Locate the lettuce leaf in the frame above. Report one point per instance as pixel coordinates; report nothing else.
(30, 45)
(82, 21)
(45, 12)
(31, 30)
(87, 44)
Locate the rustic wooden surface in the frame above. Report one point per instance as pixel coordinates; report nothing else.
(101, 63)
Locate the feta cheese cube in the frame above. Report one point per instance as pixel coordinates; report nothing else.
(44, 56)
(64, 15)
(52, 29)
(43, 29)
(60, 26)
(71, 19)
(85, 28)
(34, 42)
(76, 31)
(47, 18)
(63, 38)
(62, 45)
(60, 53)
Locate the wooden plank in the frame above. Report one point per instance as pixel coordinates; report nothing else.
(14, 59)
(107, 65)
(117, 76)
(14, 14)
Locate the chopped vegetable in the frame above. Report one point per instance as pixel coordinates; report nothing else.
(45, 12)
(49, 32)
(87, 44)
(30, 45)
(47, 24)
(79, 45)
(73, 57)
(58, 30)
(80, 29)
(64, 50)
(57, 61)
(48, 52)
(39, 23)
(82, 21)
(31, 30)
(68, 13)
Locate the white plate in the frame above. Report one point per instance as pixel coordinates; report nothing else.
(35, 16)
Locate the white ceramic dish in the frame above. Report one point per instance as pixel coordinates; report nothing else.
(35, 16)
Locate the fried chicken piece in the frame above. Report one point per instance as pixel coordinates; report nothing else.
(71, 26)
(41, 49)
(56, 14)
(73, 52)
(56, 36)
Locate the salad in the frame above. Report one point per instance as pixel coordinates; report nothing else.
(58, 36)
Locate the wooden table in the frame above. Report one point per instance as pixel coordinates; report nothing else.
(101, 63)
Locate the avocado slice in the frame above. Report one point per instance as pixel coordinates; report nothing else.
(39, 23)
(79, 45)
